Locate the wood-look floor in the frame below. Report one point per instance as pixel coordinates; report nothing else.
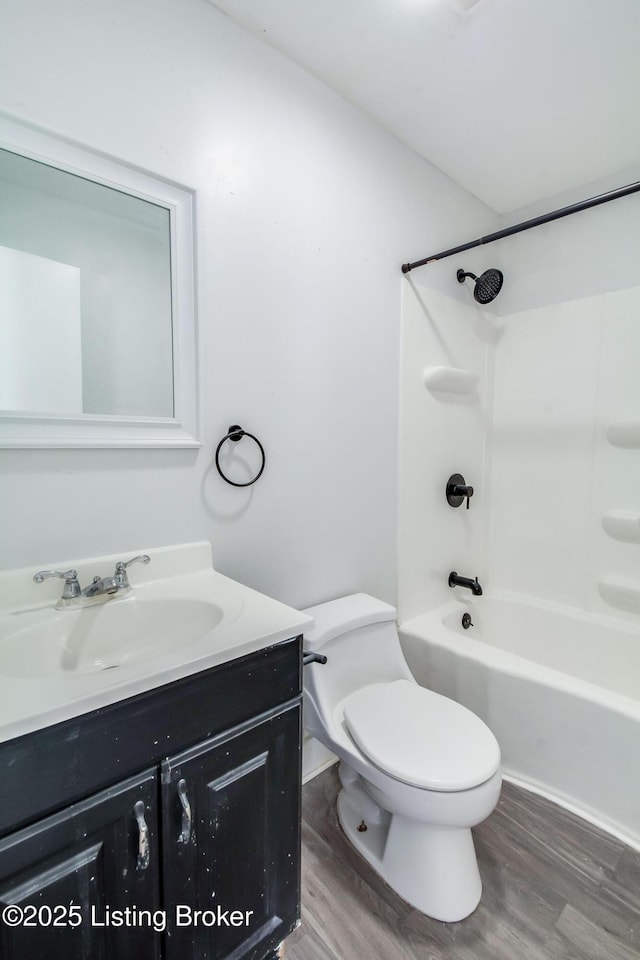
(554, 888)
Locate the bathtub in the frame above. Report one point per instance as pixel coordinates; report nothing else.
(560, 690)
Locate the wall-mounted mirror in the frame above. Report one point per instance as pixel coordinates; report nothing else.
(97, 340)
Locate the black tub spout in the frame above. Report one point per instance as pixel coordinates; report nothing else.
(473, 585)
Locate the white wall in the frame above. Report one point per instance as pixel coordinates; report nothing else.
(305, 211)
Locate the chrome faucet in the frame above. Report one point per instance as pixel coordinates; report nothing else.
(120, 576)
(71, 589)
(73, 595)
(100, 586)
(473, 585)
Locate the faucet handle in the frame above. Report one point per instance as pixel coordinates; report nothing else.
(122, 565)
(458, 490)
(70, 577)
(47, 574)
(121, 569)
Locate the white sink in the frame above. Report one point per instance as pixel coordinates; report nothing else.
(49, 643)
(181, 617)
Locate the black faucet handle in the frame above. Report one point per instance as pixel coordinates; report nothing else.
(457, 490)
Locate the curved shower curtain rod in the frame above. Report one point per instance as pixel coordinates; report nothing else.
(528, 224)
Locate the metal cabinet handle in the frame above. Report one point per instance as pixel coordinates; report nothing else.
(185, 835)
(144, 854)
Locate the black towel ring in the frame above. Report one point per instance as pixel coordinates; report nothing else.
(237, 433)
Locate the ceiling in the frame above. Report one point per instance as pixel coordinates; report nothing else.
(516, 100)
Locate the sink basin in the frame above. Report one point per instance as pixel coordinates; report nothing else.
(181, 617)
(49, 643)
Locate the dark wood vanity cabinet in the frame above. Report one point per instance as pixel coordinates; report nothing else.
(164, 826)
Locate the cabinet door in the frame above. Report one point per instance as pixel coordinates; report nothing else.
(93, 855)
(231, 840)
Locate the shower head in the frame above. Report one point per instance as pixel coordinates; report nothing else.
(488, 284)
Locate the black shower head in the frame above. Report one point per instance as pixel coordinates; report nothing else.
(488, 284)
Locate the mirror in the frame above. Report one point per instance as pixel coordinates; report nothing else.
(97, 341)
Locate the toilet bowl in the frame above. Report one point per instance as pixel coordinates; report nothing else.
(417, 769)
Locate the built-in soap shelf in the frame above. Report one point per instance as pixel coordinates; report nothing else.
(451, 380)
(622, 526)
(626, 434)
(622, 594)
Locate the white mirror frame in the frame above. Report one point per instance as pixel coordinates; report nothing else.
(43, 430)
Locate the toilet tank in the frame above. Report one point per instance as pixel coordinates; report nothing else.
(358, 636)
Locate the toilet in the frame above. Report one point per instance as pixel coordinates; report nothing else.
(417, 769)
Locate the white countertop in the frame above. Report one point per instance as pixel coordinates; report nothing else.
(250, 621)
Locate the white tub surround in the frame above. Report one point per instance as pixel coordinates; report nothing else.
(190, 618)
(445, 410)
(450, 380)
(560, 690)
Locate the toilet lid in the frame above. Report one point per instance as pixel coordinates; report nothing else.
(420, 737)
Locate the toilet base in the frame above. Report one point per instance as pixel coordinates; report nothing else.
(434, 868)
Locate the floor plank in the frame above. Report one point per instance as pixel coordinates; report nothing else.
(554, 888)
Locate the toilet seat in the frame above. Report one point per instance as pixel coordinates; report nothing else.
(420, 737)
